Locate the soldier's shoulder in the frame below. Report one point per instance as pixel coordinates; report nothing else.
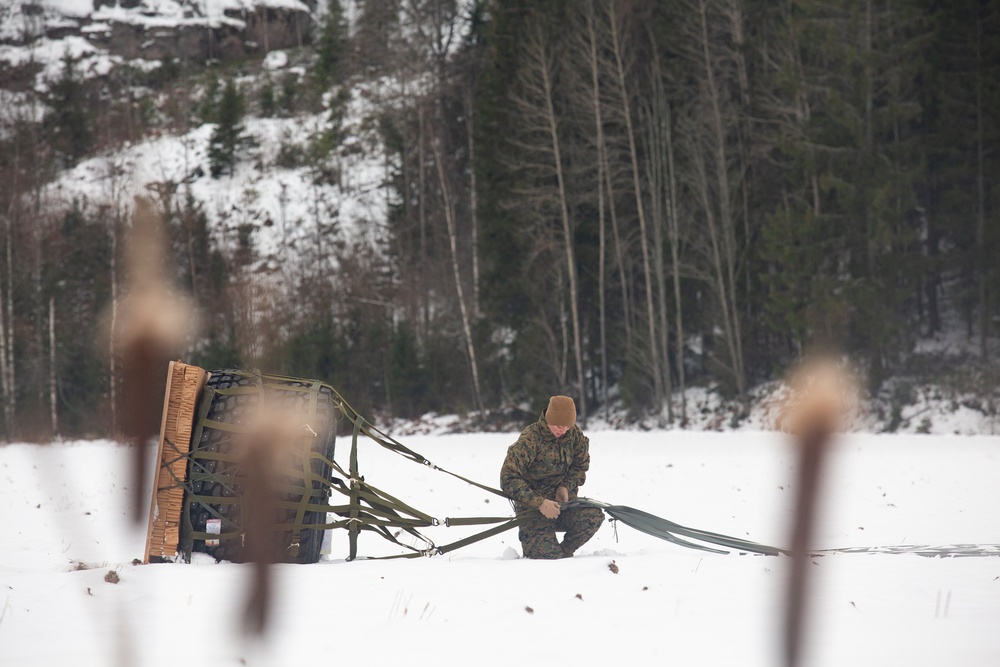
(531, 433)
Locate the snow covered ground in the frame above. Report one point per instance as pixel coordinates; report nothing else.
(65, 526)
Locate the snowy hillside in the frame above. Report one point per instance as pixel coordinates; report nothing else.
(281, 205)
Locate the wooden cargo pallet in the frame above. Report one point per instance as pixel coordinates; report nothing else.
(180, 403)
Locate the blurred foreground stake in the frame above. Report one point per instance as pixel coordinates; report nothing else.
(150, 329)
(817, 406)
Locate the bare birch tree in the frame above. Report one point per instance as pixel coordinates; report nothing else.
(618, 49)
(53, 374)
(536, 103)
(711, 167)
(469, 104)
(590, 48)
(5, 385)
(661, 173)
(449, 214)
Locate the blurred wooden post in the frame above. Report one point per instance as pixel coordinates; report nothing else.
(812, 449)
(153, 325)
(816, 407)
(267, 449)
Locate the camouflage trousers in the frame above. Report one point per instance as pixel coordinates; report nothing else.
(538, 534)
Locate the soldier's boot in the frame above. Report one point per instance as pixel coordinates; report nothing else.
(582, 523)
(538, 539)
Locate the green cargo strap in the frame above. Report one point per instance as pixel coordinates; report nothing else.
(217, 500)
(474, 521)
(458, 544)
(353, 529)
(414, 551)
(370, 493)
(239, 390)
(307, 473)
(511, 523)
(223, 426)
(204, 406)
(497, 492)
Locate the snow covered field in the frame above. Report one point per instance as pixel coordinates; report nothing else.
(63, 507)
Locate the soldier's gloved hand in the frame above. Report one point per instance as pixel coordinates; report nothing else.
(562, 495)
(549, 509)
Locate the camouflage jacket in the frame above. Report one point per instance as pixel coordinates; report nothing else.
(539, 463)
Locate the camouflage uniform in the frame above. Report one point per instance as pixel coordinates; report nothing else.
(536, 465)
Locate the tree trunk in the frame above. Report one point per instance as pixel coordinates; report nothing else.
(53, 414)
(449, 214)
(567, 237)
(112, 356)
(599, 134)
(661, 201)
(473, 203)
(661, 146)
(422, 215)
(4, 386)
(634, 161)
(11, 406)
(616, 236)
(722, 231)
(674, 228)
(739, 49)
(655, 176)
(982, 259)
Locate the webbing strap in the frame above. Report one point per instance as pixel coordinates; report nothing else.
(466, 541)
(223, 426)
(497, 492)
(307, 441)
(511, 523)
(189, 494)
(376, 495)
(474, 521)
(355, 482)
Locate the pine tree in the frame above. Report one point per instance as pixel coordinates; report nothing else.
(289, 84)
(840, 239)
(962, 133)
(68, 121)
(330, 48)
(228, 137)
(268, 105)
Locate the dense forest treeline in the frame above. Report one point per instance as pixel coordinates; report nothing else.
(613, 199)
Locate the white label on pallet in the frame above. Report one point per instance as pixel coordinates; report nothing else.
(213, 526)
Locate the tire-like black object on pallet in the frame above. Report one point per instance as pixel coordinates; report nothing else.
(222, 479)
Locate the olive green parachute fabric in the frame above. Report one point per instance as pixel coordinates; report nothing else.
(674, 532)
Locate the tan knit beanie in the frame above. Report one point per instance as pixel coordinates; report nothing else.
(561, 411)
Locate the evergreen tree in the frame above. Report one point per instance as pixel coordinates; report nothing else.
(228, 137)
(289, 85)
(330, 48)
(208, 106)
(839, 245)
(268, 105)
(962, 136)
(78, 284)
(69, 122)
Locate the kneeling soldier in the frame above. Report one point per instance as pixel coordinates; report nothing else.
(544, 468)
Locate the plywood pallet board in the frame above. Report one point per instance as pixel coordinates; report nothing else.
(180, 404)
